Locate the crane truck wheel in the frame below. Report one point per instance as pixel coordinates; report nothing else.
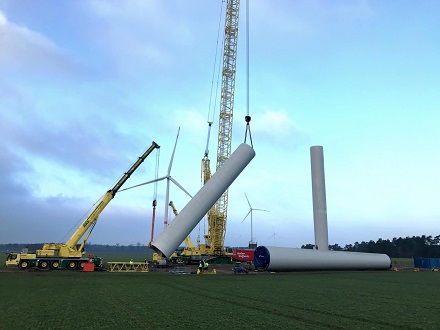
(81, 264)
(44, 264)
(24, 264)
(71, 265)
(55, 264)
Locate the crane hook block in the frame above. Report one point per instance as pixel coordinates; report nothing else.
(247, 118)
(154, 203)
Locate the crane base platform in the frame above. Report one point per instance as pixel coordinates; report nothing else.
(128, 267)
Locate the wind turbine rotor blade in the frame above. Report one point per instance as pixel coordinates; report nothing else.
(178, 185)
(172, 155)
(248, 200)
(250, 212)
(260, 210)
(143, 184)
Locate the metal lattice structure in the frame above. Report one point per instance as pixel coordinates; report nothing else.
(218, 215)
(127, 266)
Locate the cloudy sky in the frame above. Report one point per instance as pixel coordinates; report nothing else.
(86, 86)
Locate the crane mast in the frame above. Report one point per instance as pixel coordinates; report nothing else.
(218, 214)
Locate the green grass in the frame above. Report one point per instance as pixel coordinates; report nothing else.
(303, 300)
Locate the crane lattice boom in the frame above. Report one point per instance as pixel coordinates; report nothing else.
(217, 220)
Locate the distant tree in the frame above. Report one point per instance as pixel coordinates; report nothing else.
(308, 246)
(335, 247)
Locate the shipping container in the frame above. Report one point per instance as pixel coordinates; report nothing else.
(243, 255)
(426, 263)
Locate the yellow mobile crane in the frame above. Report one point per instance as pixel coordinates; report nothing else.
(70, 255)
(218, 214)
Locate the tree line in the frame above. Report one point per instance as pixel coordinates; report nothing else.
(90, 248)
(408, 247)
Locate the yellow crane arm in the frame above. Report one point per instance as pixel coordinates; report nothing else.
(94, 214)
(218, 216)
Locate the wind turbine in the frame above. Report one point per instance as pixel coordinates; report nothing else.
(251, 209)
(169, 178)
(274, 236)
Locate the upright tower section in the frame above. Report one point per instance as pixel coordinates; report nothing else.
(319, 198)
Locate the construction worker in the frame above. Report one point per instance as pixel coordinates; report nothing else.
(200, 266)
(205, 265)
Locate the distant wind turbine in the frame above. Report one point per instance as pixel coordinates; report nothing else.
(251, 209)
(274, 236)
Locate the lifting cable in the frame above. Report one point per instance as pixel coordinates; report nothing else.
(156, 175)
(211, 106)
(81, 219)
(247, 117)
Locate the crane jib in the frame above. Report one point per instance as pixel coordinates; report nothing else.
(92, 218)
(133, 168)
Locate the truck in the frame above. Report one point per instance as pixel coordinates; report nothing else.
(71, 255)
(27, 260)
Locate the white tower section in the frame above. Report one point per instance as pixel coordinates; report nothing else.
(319, 199)
(182, 225)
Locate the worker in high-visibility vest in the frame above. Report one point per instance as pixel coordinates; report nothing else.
(200, 266)
(205, 265)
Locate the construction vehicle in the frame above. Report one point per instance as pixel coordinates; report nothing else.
(217, 215)
(71, 255)
(239, 269)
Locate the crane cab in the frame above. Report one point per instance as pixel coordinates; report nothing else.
(13, 259)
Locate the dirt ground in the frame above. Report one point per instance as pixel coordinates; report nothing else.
(192, 269)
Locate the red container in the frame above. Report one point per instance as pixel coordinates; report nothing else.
(243, 255)
(89, 267)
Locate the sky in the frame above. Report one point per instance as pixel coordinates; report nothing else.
(86, 86)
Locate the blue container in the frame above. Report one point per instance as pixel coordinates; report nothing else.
(426, 263)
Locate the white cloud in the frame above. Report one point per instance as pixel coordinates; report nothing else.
(278, 127)
(142, 32)
(3, 19)
(29, 51)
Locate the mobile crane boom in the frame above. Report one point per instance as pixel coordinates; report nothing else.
(93, 216)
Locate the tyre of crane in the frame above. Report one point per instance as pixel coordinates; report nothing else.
(80, 265)
(54, 264)
(71, 265)
(43, 264)
(24, 264)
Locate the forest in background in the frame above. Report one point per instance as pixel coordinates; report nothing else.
(408, 247)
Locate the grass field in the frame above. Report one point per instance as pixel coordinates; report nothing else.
(302, 300)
